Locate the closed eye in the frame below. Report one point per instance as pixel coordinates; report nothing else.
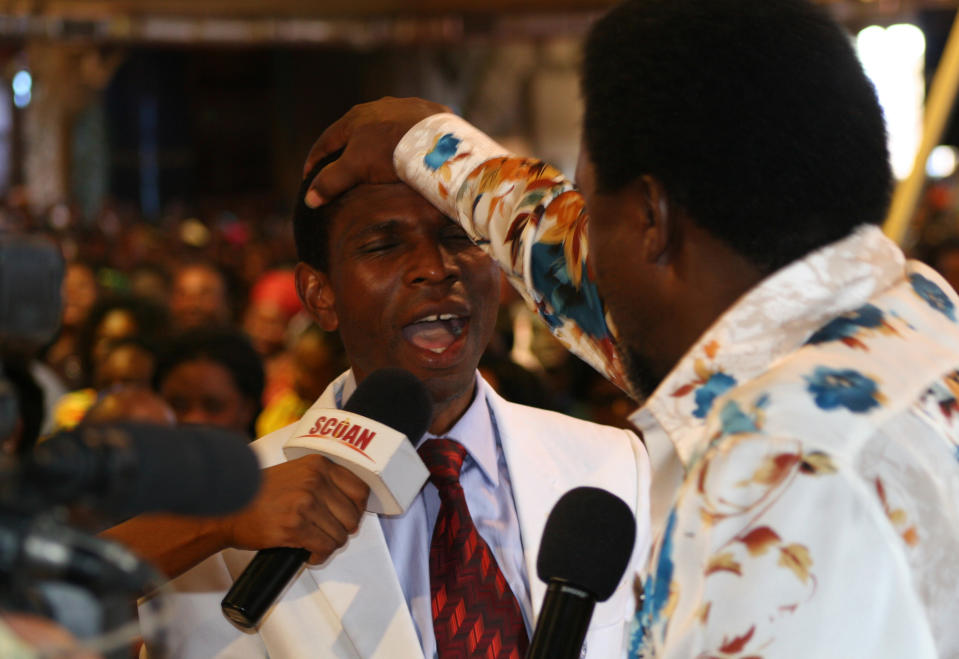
(456, 237)
(376, 237)
(377, 246)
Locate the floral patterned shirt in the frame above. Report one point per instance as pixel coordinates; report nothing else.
(806, 448)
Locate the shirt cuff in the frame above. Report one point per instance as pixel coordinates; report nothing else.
(437, 155)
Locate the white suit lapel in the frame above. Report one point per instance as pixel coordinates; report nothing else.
(358, 587)
(537, 483)
(547, 456)
(361, 587)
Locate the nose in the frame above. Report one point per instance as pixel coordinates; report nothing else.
(431, 263)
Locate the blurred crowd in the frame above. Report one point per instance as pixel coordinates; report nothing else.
(194, 318)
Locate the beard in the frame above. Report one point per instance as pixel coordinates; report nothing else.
(643, 378)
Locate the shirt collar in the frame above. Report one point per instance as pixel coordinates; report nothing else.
(474, 430)
(770, 321)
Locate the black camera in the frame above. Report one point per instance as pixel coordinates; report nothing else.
(47, 567)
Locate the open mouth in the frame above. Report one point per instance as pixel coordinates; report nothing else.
(437, 332)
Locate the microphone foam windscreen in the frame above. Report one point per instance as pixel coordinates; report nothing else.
(587, 541)
(396, 398)
(201, 471)
(132, 468)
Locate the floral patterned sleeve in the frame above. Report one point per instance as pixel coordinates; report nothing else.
(527, 216)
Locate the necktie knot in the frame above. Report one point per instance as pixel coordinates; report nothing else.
(444, 458)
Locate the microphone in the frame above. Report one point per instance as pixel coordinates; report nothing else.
(132, 468)
(373, 436)
(587, 542)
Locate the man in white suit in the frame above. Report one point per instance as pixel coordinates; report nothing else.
(406, 288)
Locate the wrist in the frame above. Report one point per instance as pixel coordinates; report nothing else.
(437, 154)
(219, 532)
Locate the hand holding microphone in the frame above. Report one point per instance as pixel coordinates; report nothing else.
(372, 439)
(309, 502)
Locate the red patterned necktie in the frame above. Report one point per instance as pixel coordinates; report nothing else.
(475, 614)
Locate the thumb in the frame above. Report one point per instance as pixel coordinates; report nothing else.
(330, 182)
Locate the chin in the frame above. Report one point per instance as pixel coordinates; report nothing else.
(448, 386)
(642, 377)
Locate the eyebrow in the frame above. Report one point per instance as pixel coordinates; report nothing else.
(378, 227)
(384, 227)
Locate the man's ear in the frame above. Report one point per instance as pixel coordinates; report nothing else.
(647, 201)
(316, 294)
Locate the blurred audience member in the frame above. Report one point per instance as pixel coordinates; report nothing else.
(72, 407)
(150, 281)
(273, 303)
(115, 318)
(111, 323)
(212, 377)
(131, 403)
(199, 297)
(80, 293)
(130, 361)
(317, 358)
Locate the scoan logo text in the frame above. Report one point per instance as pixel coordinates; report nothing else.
(353, 434)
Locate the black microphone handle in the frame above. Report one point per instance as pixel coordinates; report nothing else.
(261, 584)
(562, 623)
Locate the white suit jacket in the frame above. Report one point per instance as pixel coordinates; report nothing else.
(352, 605)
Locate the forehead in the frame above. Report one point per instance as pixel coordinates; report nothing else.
(200, 371)
(79, 271)
(393, 205)
(197, 275)
(116, 319)
(128, 351)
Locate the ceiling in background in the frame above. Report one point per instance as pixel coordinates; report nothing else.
(334, 8)
(356, 22)
(287, 8)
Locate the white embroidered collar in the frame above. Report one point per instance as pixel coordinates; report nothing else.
(771, 320)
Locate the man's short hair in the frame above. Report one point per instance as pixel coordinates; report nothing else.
(755, 115)
(311, 226)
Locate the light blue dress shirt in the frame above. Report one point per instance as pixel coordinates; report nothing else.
(489, 497)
